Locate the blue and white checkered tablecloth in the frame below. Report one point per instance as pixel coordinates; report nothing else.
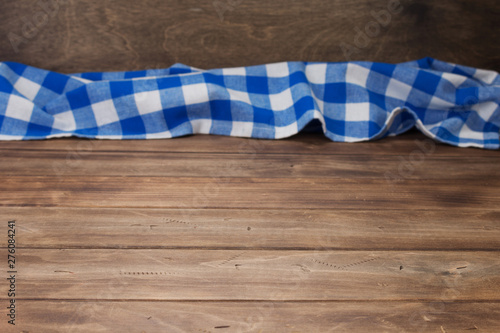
(353, 101)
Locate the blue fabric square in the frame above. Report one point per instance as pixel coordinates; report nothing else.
(5, 85)
(174, 71)
(335, 93)
(263, 116)
(55, 82)
(257, 85)
(133, 126)
(175, 116)
(121, 88)
(16, 67)
(296, 78)
(488, 128)
(35, 130)
(214, 79)
(335, 126)
(427, 82)
(425, 63)
(377, 99)
(135, 74)
(78, 98)
(384, 69)
(466, 97)
(373, 128)
(303, 105)
(168, 82)
(221, 110)
(93, 76)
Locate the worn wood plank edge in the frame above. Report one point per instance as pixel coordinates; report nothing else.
(207, 316)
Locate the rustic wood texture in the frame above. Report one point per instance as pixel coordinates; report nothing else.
(293, 317)
(214, 234)
(98, 35)
(258, 275)
(262, 193)
(279, 165)
(332, 229)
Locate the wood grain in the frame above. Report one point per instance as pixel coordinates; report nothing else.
(124, 35)
(340, 247)
(414, 165)
(262, 193)
(158, 274)
(55, 228)
(293, 317)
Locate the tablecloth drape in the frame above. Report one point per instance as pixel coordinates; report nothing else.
(353, 101)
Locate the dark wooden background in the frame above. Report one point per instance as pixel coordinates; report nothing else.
(103, 35)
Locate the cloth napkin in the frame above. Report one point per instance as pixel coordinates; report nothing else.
(352, 101)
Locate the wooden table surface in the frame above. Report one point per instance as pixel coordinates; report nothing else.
(221, 234)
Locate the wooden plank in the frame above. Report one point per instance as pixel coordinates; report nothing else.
(293, 317)
(254, 229)
(132, 274)
(399, 167)
(307, 144)
(263, 193)
(208, 34)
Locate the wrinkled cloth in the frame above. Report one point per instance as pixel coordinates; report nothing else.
(351, 101)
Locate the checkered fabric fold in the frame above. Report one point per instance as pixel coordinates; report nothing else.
(353, 101)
